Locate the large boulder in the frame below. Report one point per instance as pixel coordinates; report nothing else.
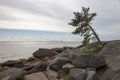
(70, 54)
(58, 62)
(83, 74)
(9, 63)
(35, 76)
(94, 61)
(38, 68)
(12, 74)
(111, 49)
(13, 63)
(77, 74)
(108, 74)
(115, 63)
(113, 71)
(42, 53)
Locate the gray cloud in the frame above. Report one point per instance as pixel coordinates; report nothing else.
(107, 10)
(53, 10)
(7, 17)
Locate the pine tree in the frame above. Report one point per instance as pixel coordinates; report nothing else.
(82, 21)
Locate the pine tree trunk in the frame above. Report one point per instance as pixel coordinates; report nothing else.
(95, 34)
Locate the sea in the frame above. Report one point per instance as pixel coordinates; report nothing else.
(19, 44)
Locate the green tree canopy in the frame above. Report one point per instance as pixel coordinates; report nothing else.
(82, 21)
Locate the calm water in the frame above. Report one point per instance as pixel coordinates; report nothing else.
(10, 50)
(16, 44)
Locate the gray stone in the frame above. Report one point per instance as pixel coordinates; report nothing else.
(42, 53)
(9, 63)
(111, 49)
(93, 61)
(38, 68)
(73, 56)
(12, 74)
(13, 63)
(77, 74)
(59, 50)
(113, 71)
(58, 62)
(108, 74)
(19, 64)
(91, 74)
(35, 76)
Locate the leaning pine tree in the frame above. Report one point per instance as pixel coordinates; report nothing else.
(82, 23)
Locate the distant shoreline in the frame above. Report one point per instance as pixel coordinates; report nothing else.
(40, 41)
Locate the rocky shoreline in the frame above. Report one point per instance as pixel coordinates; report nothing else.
(67, 63)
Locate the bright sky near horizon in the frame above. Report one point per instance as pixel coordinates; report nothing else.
(54, 15)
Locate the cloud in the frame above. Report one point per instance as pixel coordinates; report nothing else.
(54, 15)
(39, 7)
(18, 19)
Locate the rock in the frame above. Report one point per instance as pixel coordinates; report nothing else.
(59, 50)
(77, 74)
(60, 75)
(13, 63)
(115, 62)
(12, 74)
(66, 70)
(70, 54)
(113, 71)
(28, 65)
(32, 63)
(116, 77)
(22, 60)
(65, 53)
(9, 63)
(3, 68)
(108, 74)
(19, 64)
(58, 62)
(91, 74)
(30, 59)
(41, 53)
(27, 68)
(51, 74)
(73, 56)
(83, 74)
(68, 47)
(35, 76)
(111, 49)
(38, 68)
(69, 65)
(93, 61)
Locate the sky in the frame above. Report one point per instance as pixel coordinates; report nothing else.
(54, 15)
